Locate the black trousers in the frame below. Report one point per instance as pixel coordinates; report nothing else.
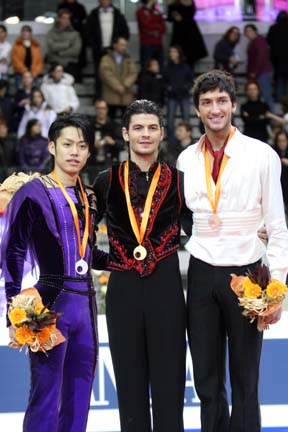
(214, 316)
(146, 327)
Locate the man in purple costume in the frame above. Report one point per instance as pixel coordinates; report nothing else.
(41, 223)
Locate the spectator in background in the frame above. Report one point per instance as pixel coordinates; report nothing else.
(225, 55)
(58, 90)
(151, 26)
(26, 55)
(183, 138)
(37, 109)
(22, 98)
(8, 150)
(185, 31)
(108, 141)
(6, 103)
(5, 53)
(259, 66)
(104, 24)
(254, 113)
(277, 34)
(64, 44)
(281, 148)
(33, 148)
(150, 83)
(178, 80)
(118, 74)
(78, 19)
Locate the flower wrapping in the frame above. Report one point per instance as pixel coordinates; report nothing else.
(32, 324)
(258, 294)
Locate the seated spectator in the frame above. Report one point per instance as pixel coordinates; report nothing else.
(64, 44)
(6, 103)
(8, 149)
(33, 148)
(225, 55)
(178, 80)
(151, 26)
(26, 55)
(150, 83)
(281, 147)
(37, 109)
(183, 135)
(5, 53)
(22, 98)
(58, 90)
(118, 74)
(254, 113)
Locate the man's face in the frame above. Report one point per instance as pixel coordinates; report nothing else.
(26, 34)
(252, 92)
(120, 46)
(64, 20)
(250, 33)
(70, 151)
(101, 109)
(144, 135)
(182, 134)
(215, 110)
(27, 78)
(3, 35)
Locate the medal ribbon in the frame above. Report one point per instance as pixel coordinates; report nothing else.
(81, 245)
(214, 202)
(139, 234)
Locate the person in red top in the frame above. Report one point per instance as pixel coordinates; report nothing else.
(151, 26)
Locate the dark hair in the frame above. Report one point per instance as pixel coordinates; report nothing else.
(64, 11)
(141, 106)
(280, 132)
(251, 26)
(29, 127)
(186, 125)
(78, 121)
(33, 91)
(27, 28)
(249, 82)
(180, 52)
(53, 67)
(2, 27)
(116, 39)
(228, 33)
(3, 84)
(215, 79)
(282, 17)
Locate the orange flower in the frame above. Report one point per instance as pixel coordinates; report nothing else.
(43, 335)
(275, 288)
(102, 229)
(24, 335)
(103, 279)
(251, 290)
(17, 316)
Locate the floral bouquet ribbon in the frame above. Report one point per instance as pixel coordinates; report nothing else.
(258, 294)
(33, 325)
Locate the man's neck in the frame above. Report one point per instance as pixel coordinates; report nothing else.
(217, 139)
(66, 179)
(144, 162)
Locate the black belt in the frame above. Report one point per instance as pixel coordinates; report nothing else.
(53, 282)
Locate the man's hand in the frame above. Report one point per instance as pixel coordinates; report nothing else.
(262, 234)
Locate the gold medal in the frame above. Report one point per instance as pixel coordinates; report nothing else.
(214, 221)
(140, 253)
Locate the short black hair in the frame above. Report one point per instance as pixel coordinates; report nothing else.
(2, 27)
(142, 106)
(252, 27)
(215, 79)
(79, 121)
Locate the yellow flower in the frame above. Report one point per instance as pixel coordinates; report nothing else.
(251, 290)
(43, 335)
(17, 316)
(39, 308)
(275, 288)
(24, 335)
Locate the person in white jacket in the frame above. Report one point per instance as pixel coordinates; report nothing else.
(57, 87)
(38, 109)
(5, 53)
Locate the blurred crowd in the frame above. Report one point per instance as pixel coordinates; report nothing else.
(35, 87)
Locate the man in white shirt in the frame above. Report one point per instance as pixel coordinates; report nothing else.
(228, 207)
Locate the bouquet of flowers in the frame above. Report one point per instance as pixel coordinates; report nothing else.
(33, 325)
(258, 294)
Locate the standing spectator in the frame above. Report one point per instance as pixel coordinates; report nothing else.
(185, 31)
(178, 80)
(8, 149)
(5, 52)
(22, 98)
(37, 109)
(151, 26)
(259, 66)
(26, 55)
(104, 24)
(6, 103)
(33, 148)
(58, 90)
(150, 83)
(78, 18)
(254, 113)
(281, 148)
(183, 133)
(225, 55)
(278, 33)
(118, 73)
(64, 44)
